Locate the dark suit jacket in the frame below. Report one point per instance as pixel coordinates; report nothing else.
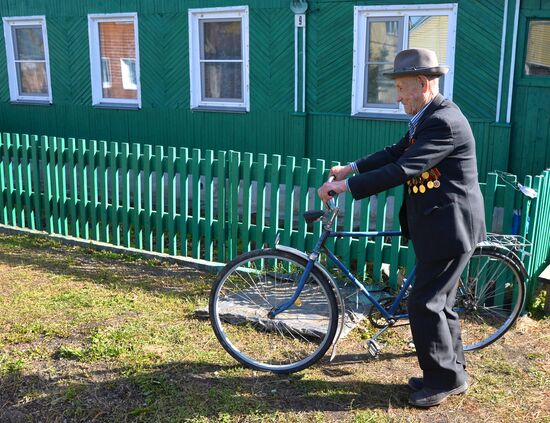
(442, 222)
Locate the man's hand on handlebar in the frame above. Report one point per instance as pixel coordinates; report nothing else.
(334, 186)
(340, 172)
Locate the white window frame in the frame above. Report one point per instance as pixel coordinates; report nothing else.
(361, 13)
(95, 59)
(195, 15)
(9, 24)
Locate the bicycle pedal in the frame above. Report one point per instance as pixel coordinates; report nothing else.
(373, 348)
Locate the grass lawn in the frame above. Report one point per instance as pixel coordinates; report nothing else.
(89, 336)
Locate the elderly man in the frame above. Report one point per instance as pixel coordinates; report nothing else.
(442, 214)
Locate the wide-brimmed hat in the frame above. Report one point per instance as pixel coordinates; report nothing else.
(416, 61)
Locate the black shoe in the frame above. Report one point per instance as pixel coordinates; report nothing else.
(415, 383)
(428, 397)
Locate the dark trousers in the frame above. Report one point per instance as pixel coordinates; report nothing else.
(435, 327)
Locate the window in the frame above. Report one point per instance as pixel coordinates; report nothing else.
(537, 60)
(114, 58)
(28, 60)
(383, 31)
(218, 51)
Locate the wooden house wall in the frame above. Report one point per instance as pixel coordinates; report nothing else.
(326, 131)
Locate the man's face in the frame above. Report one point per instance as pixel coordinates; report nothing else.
(410, 93)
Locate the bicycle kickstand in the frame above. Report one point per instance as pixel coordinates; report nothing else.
(373, 346)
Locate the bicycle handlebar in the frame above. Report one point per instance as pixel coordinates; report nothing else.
(527, 191)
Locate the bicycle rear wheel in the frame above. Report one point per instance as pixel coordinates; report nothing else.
(489, 297)
(248, 288)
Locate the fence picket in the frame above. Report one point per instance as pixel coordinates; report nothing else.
(318, 177)
(135, 165)
(36, 185)
(221, 228)
(54, 172)
(8, 178)
(93, 184)
(261, 167)
(123, 232)
(247, 203)
(196, 201)
(344, 244)
(182, 170)
(288, 213)
(509, 196)
(72, 176)
(275, 202)
(379, 241)
(363, 241)
(18, 182)
(147, 198)
(3, 210)
(304, 197)
(82, 189)
(159, 203)
(46, 171)
(103, 177)
(489, 199)
(114, 175)
(62, 186)
(172, 197)
(27, 183)
(397, 193)
(208, 204)
(233, 207)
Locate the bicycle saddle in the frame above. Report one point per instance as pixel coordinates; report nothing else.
(313, 215)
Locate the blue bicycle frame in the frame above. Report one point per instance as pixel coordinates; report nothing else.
(327, 233)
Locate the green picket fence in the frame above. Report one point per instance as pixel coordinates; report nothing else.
(214, 206)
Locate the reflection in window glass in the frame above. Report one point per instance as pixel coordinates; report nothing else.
(106, 72)
(430, 32)
(128, 69)
(537, 60)
(384, 42)
(117, 44)
(221, 60)
(30, 60)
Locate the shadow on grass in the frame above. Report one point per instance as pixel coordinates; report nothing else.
(104, 268)
(184, 390)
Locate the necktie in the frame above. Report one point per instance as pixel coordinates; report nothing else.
(411, 130)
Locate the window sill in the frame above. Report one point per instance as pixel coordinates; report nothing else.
(219, 109)
(30, 103)
(116, 106)
(381, 116)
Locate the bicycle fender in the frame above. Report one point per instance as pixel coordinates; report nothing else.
(332, 283)
(507, 253)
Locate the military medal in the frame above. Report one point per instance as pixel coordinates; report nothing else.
(430, 184)
(437, 184)
(415, 189)
(425, 175)
(422, 189)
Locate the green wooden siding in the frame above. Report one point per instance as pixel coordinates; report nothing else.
(530, 148)
(327, 131)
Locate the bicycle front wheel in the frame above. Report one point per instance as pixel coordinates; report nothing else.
(253, 284)
(489, 297)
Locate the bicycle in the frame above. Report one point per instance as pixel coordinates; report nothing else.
(280, 310)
